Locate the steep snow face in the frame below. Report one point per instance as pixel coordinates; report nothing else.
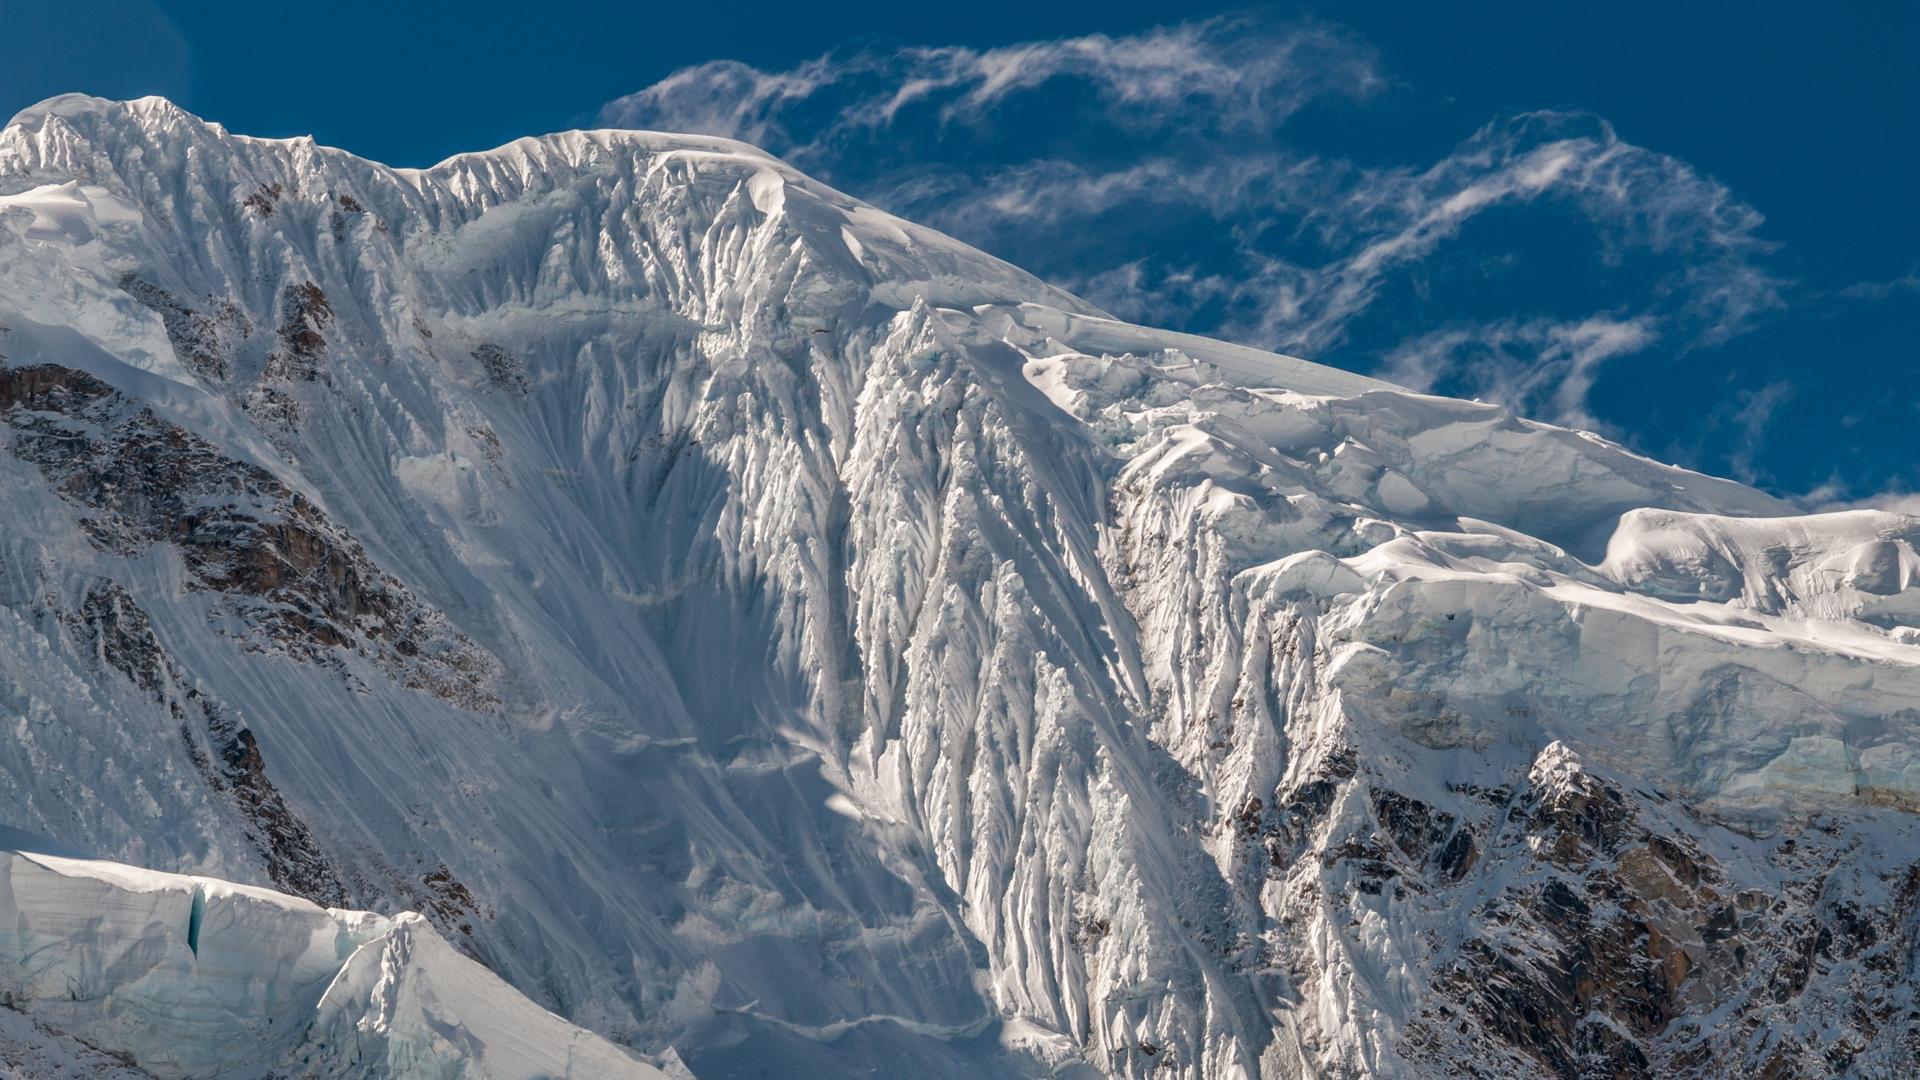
(758, 626)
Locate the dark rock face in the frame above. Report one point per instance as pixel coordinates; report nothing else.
(122, 636)
(263, 201)
(1579, 928)
(282, 566)
(203, 341)
(447, 902)
(304, 316)
(112, 626)
(292, 581)
(299, 359)
(1618, 947)
(504, 370)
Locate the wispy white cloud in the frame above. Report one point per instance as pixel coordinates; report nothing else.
(1873, 291)
(1753, 412)
(1162, 184)
(1371, 224)
(1234, 73)
(1830, 497)
(1633, 200)
(1543, 367)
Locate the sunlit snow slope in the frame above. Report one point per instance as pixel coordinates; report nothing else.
(775, 636)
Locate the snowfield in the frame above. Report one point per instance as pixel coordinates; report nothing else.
(774, 636)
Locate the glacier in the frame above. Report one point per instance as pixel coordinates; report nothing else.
(769, 634)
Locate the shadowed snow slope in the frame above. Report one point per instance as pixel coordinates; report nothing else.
(773, 635)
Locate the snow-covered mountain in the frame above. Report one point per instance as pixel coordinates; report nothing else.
(774, 636)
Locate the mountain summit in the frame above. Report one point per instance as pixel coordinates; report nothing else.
(772, 635)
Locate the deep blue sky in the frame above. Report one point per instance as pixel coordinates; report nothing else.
(1693, 227)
